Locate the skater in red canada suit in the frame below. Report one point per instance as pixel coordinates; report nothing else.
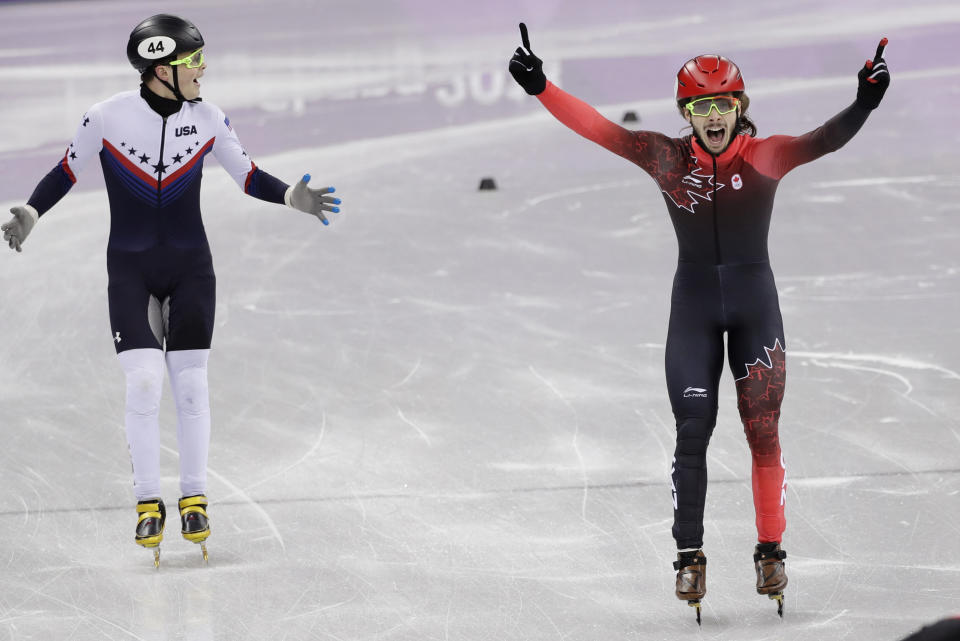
(718, 184)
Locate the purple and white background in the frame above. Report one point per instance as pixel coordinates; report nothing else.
(444, 416)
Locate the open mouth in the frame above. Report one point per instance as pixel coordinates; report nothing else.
(715, 135)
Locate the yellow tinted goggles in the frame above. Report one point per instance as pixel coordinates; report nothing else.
(723, 105)
(192, 61)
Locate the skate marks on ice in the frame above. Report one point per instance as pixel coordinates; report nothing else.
(522, 561)
(868, 363)
(535, 559)
(514, 485)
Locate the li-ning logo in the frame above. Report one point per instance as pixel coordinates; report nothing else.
(736, 181)
(116, 339)
(694, 392)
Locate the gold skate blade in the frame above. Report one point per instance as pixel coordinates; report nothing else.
(778, 597)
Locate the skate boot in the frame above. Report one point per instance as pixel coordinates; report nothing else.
(150, 522)
(195, 526)
(771, 572)
(691, 570)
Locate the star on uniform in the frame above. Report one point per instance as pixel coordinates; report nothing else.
(144, 158)
(159, 168)
(85, 121)
(73, 155)
(132, 151)
(189, 150)
(177, 158)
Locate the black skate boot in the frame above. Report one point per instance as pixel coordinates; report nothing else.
(195, 525)
(152, 517)
(771, 572)
(691, 570)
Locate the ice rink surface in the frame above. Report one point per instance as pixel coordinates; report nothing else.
(445, 415)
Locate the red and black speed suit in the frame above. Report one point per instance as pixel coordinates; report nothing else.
(720, 207)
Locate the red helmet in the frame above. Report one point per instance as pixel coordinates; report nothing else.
(708, 75)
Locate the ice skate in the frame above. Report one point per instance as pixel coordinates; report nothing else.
(771, 572)
(195, 525)
(691, 570)
(152, 518)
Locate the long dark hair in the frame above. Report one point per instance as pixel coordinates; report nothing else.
(744, 124)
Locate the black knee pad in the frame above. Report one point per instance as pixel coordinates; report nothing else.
(693, 434)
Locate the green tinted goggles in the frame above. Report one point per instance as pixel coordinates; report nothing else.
(723, 105)
(192, 61)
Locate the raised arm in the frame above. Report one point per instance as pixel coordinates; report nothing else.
(777, 155)
(587, 121)
(527, 70)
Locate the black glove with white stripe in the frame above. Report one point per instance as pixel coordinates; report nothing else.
(874, 79)
(526, 68)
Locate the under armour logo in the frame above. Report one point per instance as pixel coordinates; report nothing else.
(116, 339)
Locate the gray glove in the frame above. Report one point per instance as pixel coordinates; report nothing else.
(312, 201)
(17, 230)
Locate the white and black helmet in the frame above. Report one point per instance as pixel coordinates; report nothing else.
(159, 38)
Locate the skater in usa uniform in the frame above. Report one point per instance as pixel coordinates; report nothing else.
(152, 143)
(718, 184)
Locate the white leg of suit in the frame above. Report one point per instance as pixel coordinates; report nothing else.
(144, 373)
(188, 380)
